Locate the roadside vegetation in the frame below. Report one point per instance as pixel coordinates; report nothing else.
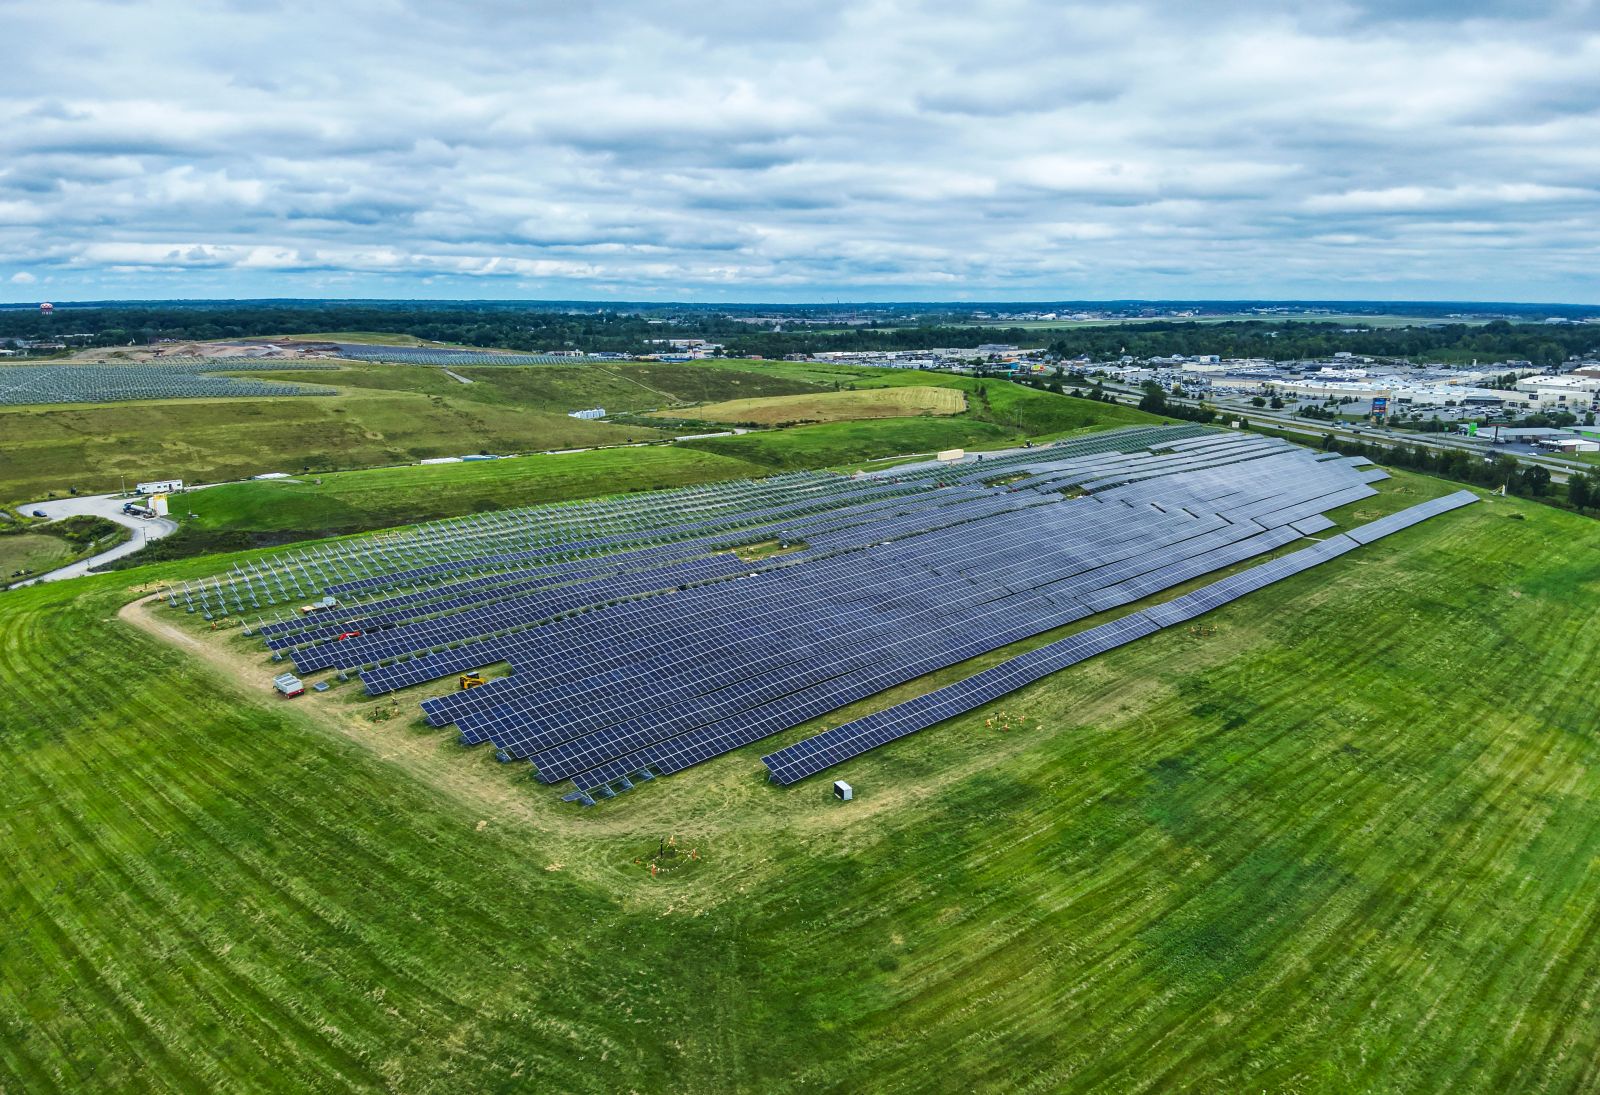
(30, 547)
(1581, 491)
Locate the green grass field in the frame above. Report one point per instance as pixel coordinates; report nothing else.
(1342, 842)
(895, 402)
(384, 497)
(385, 414)
(393, 416)
(31, 552)
(998, 414)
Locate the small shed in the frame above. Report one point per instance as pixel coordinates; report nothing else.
(843, 791)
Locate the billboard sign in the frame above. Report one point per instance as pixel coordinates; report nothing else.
(1380, 406)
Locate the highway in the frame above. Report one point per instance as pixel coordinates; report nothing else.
(1558, 466)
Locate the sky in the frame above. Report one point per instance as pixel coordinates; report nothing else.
(788, 151)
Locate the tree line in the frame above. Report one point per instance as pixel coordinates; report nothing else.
(557, 325)
(1582, 491)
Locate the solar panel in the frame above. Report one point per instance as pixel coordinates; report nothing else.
(841, 743)
(640, 639)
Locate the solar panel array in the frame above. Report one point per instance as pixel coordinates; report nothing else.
(421, 355)
(185, 378)
(708, 517)
(831, 747)
(641, 643)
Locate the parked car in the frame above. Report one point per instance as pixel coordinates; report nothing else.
(40, 513)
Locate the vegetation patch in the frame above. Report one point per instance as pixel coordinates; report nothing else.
(1003, 480)
(24, 553)
(94, 448)
(29, 548)
(86, 529)
(767, 549)
(832, 406)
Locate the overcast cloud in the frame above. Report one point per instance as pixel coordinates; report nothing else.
(788, 151)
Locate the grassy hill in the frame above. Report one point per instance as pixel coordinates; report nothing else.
(1344, 841)
(385, 414)
(997, 414)
(383, 497)
(887, 402)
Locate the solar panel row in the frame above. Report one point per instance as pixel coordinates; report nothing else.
(833, 746)
(638, 641)
(485, 543)
(771, 704)
(723, 625)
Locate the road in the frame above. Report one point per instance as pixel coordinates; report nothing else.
(108, 506)
(1558, 466)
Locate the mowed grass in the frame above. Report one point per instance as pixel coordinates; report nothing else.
(1343, 841)
(31, 552)
(830, 406)
(385, 497)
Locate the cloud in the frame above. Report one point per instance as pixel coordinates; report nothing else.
(800, 151)
(1422, 199)
(22, 277)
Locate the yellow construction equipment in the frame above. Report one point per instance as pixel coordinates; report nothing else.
(471, 680)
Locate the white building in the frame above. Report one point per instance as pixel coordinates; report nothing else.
(1573, 392)
(1569, 444)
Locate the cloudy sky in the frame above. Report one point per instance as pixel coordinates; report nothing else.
(1415, 149)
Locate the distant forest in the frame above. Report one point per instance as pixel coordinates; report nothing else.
(891, 327)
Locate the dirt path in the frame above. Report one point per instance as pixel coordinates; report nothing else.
(426, 755)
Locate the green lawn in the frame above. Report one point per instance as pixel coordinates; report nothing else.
(782, 410)
(998, 414)
(31, 552)
(384, 497)
(1343, 842)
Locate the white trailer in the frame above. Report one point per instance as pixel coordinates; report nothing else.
(159, 486)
